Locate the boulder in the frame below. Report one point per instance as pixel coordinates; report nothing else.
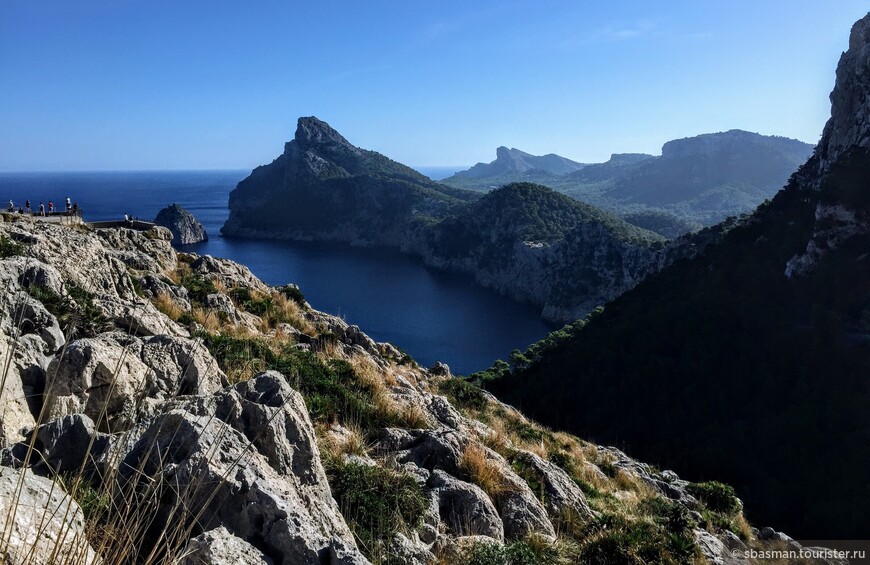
(249, 461)
(70, 443)
(185, 228)
(560, 493)
(220, 547)
(126, 376)
(464, 508)
(45, 525)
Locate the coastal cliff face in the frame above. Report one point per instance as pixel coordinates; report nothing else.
(255, 429)
(523, 240)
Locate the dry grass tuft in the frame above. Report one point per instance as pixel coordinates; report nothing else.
(483, 471)
(168, 306)
(208, 320)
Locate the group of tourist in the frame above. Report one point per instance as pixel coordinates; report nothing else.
(42, 210)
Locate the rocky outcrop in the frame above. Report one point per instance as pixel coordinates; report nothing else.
(185, 228)
(324, 188)
(220, 547)
(115, 378)
(250, 459)
(845, 143)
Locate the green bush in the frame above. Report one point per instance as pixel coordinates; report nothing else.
(198, 287)
(376, 502)
(463, 393)
(716, 496)
(516, 553)
(75, 310)
(293, 293)
(10, 248)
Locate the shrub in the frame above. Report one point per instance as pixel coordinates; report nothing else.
(522, 552)
(613, 539)
(376, 503)
(10, 248)
(74, 311)
(716, 496)
(463, 393)
(292, 292)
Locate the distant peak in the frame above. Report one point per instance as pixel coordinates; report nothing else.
(312, 131)
(502, 152)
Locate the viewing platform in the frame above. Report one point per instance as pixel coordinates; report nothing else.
(75, 218)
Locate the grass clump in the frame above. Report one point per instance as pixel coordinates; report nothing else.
(165, 304)
(272, 307)
(376, 503)
(482, 471)
(522, 552)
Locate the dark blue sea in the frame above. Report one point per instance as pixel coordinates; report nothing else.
(432, 315)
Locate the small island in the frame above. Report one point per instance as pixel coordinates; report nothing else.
(185, 228)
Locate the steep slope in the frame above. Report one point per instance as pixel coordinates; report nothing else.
(755, 351)
(322, 187)
(232, 423)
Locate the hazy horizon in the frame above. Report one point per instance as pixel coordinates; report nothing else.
(218, 86)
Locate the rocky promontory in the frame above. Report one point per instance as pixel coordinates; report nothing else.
(185, 228)
(523, 240)
(170, 407)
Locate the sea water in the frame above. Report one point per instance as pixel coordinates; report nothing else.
(432, 315)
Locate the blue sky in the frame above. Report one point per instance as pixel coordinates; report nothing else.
(121, 84)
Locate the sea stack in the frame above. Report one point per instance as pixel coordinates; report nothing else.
(185, 228)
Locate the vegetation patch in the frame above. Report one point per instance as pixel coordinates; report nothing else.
(716, 496)
(463, 393)
(75, 311)
(522, 552)
(10, 248)
(612, 538)
(376, 503)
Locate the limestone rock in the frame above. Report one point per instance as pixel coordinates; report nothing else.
(560, 493)
(266, 486)
(44, 523)
(185, 228)
(464, 508)
(122, 375)
(220, 547)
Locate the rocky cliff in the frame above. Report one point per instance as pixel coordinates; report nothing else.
(322, 187)
(185, 228)
(168, 407)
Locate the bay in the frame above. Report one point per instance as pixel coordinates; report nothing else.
(432, 315)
